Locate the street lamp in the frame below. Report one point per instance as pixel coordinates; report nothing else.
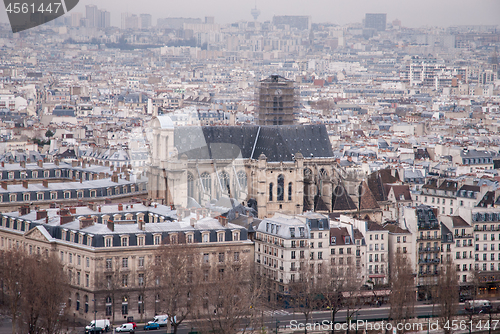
(95, 313)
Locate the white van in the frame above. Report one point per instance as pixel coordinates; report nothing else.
(478, 306)
(100, 323)
(125, 328)
(161, 320)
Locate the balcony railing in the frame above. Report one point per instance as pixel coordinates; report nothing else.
(429, 249)
(428, 237)
(428, 260)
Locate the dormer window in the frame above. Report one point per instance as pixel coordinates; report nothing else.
(157, 239)
(205, 237)
(236, 235)
(220, 236)
(173, 238)
(333, 240)
(124, 240)
(189, 238)
(347, 240)
(292, 232)
(108, 241)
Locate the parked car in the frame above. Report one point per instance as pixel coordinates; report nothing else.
(125, 328)
(151, 325)
(94, 330)
(133, 324)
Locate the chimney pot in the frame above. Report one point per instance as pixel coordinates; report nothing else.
(192, 221)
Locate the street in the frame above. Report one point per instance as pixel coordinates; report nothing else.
(284, 317)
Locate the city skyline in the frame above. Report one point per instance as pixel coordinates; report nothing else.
(428, 13)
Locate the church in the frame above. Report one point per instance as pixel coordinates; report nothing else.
(288, 168)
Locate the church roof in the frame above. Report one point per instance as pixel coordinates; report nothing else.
(277, 143)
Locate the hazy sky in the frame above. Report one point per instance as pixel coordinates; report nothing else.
(415, 13)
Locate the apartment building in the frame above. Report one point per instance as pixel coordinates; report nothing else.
(108, 251)
(422, 222)
(440, 194)
(287, 247)
(374, 247)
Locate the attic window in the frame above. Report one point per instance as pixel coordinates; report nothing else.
(402, 197)
(347, 240)
(333, 240)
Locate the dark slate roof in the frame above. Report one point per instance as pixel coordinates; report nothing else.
(277, 143)
(341, 200)
(377, 179)
(459, 222)
(367, 199)
(487, 200)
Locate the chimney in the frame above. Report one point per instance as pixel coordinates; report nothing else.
(156, 205)
(127, 177)
(23, 164)
(106, 164)
(120, 207)
(111, 167)
(4, 185)
(40, 163)
(81, 180)
(192, 221)
(84, 164)
(99, 209)
(3, 164)
(223, 221)
(141, 225)
(41, 214)
(86, 222)
(65, 219)
(72, 210)
(24, 210)
(45, 183)
(25, 184)
(56, 162)
(74, 163)
(111, 225)
(114, 178)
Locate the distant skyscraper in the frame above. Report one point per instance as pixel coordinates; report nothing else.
(146, 21)
(130, 21)
(76, 19)
(375, 21)
(276, 101)
(104, 20)
(299, 22)
(91, 15)
(209, 20)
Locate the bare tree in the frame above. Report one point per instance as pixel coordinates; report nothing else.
(35, 286)
(305, 293)
(176, 269)
(109, 282)
(12, 271)
(229, 300)
(332, 288)
(402, 296)
(447, 288)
